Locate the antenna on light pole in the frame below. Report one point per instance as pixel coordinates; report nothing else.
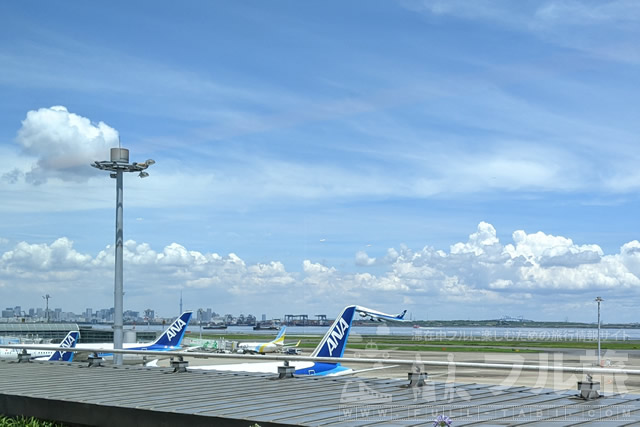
(598, 300)
(118, 164)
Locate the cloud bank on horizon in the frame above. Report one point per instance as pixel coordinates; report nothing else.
(529, 275)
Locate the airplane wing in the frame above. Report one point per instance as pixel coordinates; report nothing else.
(152, 364)
(256, 367)
(357, 371)
(286, 346)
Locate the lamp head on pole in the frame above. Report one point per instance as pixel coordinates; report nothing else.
(119, 162)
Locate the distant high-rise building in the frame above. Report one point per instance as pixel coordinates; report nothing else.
(105, 315)
(264, 317)
(130, 315)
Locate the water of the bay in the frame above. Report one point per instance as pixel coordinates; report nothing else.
(424, 333)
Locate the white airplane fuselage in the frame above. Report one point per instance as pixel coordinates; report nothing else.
(68, 341)
(258, 347)
(12, 353)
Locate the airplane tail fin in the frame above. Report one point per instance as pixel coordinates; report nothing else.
(68, 342)
(279, 339)
(172, 337)
(335, 340)
(401, 315)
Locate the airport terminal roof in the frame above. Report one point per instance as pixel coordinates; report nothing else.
(35, 327)
(37, 330)
(74, 393)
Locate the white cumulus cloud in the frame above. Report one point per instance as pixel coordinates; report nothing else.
(534, 265)
(481, 273)
(478, 241)
(63, 144)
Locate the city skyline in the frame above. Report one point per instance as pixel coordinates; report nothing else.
(107, 314)
(454, 159)
(207, 314)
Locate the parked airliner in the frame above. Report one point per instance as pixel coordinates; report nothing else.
(332, 345)
(263, 347)
(170, 340)
(69, 341)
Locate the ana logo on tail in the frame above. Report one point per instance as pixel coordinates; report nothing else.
(175, 328)
(172, 337)
(68, 341)
(334, 341)
(336, 335)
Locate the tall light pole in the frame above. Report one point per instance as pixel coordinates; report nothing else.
(118, 164)
(200, 311)
(598, 300)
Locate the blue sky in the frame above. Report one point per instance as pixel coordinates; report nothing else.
(457, 159)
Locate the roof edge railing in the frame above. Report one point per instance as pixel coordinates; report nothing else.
(294, 358)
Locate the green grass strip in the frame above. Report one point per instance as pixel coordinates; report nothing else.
(408, 343)
(21, 421)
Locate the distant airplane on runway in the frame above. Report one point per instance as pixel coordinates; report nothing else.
(332, 345)
(272, 346)
(69, 341)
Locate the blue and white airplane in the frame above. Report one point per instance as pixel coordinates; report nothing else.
(170, 340)
(380, 317)
(69, 341)
(332, 345)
